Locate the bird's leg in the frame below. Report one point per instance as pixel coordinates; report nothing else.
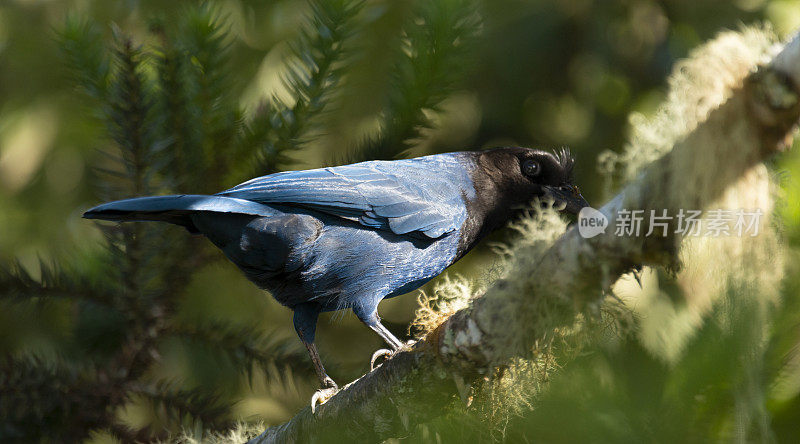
(385, 334)
(305, 323)
(328, 388)
(374, 322)
(325, 381)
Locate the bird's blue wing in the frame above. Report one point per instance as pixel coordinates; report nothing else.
(423, 195)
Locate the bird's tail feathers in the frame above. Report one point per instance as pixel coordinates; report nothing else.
(175, 209)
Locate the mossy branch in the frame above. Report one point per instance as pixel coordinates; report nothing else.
(749, 115)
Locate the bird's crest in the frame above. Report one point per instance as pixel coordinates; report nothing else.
(564, 157)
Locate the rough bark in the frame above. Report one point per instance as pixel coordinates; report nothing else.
(419, 384)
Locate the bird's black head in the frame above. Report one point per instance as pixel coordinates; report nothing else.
(507, 180)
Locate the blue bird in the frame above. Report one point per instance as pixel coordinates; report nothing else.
(347, 237)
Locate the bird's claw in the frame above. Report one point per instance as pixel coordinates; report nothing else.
(378, 354)
(388, 353)
(322, 395)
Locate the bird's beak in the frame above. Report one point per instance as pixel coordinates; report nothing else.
(567, 195)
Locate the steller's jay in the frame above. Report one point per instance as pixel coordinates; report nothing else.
(349, 236)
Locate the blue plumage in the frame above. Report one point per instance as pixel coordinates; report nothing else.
(352, 235)
(401, 195)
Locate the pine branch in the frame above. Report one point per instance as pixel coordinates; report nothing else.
(139, 251)
(40, 399)
(246, 347)
(130, 116)
(147, 264)
(196, 405)
(202, 51)
(17, 284)
(434, 57)
(128, 111)
(180, 119)
(314, 72)
(86, 56)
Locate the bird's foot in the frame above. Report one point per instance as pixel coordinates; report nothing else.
(379, 354)
(321, 396)
(384, 352)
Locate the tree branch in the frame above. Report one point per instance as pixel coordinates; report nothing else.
(751, 120)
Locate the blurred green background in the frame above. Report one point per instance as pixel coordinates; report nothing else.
(535, 73)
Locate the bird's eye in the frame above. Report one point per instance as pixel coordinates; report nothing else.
(530, 168)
